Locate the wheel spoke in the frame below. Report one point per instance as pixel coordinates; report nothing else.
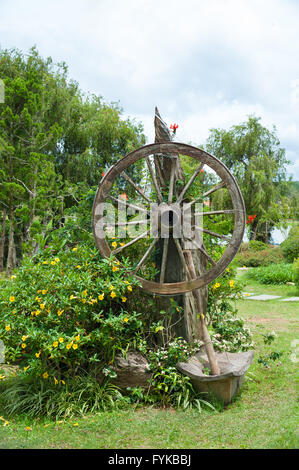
(214, 234)
(215, 188)
(212, 190)
(182, 258)
(114, 252)
(171, 180)
(118, 201)
(227, 211)
(151, 170)
(164, 259)
(203, 251)
(185, 189)
(146, 254)
(139, 190)
(131, 222)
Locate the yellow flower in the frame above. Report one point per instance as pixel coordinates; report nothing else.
(77, 338)
(38, 299)
(68, 346)
(129, 288)
(72, 297)
(7, 328)
(216, 285)
(115, 268)
(26, 368)
(55, 344)
(55, 381)
(53, 263)
(84, 293)
(37, 312)
(37, 354)
(75, 248)
(101, 297)
(126, 320)
(84, 301)
(243, 266)
(60, 312)
(12, 298)
(114, 244)
(44, 291)
(111, 287)
(23, 345)
(113, 294)
(57, 260)
(76, 424)
(231, 283)
(122, 244)
(75, 346)
(78, 267)
(42, 306)
(63, 382)
(228, 270)
(45, 262)
(61, 340)
(124, 299)
(13, 277)
(45, 375)
(24, 338)
(28, 428)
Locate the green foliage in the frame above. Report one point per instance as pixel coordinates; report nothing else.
(55, 143)
(254, 245)
(254, 155)
(290, 247)
(272, 274)
(168, 386)
(227, 330)
(66, 309)
(296, 272)
(266, 257)
(33, 397)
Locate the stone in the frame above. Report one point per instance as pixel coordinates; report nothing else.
(290, 299)
(264, 297)
(225, 385)
(132, 370)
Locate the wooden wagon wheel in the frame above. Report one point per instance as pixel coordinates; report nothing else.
(172, 150)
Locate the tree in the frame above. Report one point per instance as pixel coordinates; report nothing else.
(55, 144)
(254, 156)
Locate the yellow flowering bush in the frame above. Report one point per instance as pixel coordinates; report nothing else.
(56, 318)
(228, 332)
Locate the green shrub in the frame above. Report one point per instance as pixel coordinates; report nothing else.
(260, 258)
(66, 309)
(254, 245)
(34, 397)
(290, 249)
(273, 274)
(296, 272)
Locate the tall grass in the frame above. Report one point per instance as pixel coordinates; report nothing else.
(272, 274)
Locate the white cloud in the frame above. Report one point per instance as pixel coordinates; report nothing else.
(204, 63)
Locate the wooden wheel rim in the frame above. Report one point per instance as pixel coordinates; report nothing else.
(231, 185)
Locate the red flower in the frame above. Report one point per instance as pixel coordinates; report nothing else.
(202, 170)
(103, 174)
(124, 196)
(250, 219)
(174, 127)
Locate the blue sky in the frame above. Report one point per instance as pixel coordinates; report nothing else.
(204, 63)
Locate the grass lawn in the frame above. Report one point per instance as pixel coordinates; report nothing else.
(263, 416)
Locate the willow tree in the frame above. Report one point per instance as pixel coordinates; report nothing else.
(255, 157)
